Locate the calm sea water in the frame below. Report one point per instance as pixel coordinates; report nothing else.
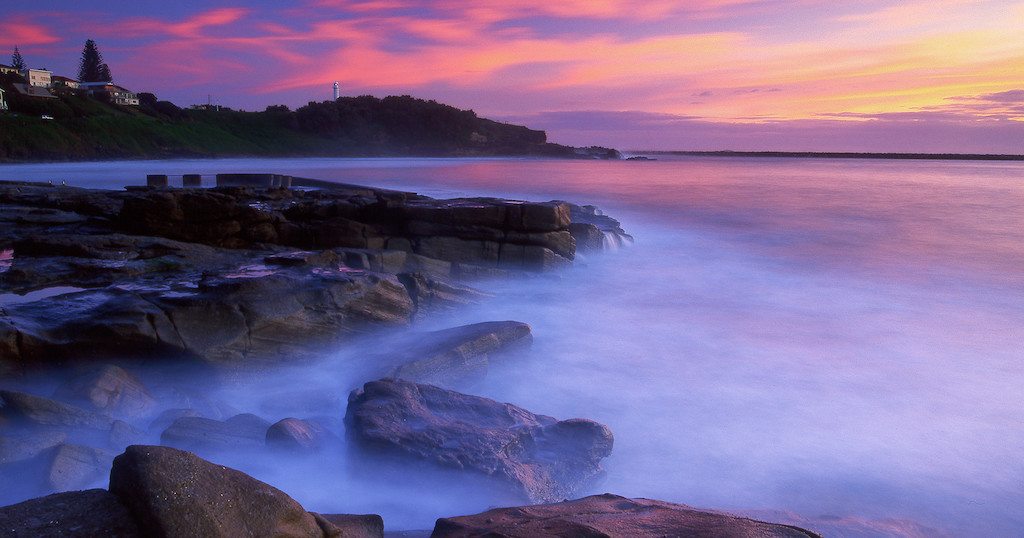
(840, 337)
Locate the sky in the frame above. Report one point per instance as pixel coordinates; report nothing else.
(789, 75)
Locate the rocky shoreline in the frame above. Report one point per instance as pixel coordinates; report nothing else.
(108, 297)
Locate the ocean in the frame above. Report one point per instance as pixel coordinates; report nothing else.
(838, 337)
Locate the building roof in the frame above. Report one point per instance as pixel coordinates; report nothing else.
(33, 91)
(58, 78)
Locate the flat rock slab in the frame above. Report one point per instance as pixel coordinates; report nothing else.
(40, 411)
(532, 457)
(171, 492)
(204, 434)
(611, 516)
(455, 356)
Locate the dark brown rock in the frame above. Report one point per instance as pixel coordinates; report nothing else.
(175, 493)
(610, 516)
(532, 457)
(94, 512)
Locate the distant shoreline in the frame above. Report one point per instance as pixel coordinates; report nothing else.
(843, 155)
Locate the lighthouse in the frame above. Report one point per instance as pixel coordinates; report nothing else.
(336, 92)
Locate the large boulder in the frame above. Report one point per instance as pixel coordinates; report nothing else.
(531, 457)
(610, 516)
(175, 493)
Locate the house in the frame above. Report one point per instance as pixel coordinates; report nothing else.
(117, 94)
(7, 69)
(29, 90)
(37, 77)
(3, 104)
(57, 81)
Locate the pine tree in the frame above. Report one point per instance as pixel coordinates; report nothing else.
(16, 61)
(92, 68)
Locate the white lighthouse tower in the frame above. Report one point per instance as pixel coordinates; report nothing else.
(337, 93)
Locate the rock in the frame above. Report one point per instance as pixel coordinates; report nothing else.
(108, 389)
(214, 274)
(123, 434)
(202, 434)
(283, 317)
(610, 516)
(75, 467)
(94, 512)
(433, 295)
(169, 416)
(594, 231)
(39, 411)
(295, 435)
(356, 526)
(17, 448)
(90, 325)
(175, 493)
(227, 321)
(533, 457)
(455, 356)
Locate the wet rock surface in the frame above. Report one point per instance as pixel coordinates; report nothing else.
(94, 512)
(537, 457)
(239, 275)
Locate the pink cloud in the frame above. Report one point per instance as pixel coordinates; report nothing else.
(21, 30)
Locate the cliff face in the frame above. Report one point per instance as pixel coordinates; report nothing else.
(82, 128)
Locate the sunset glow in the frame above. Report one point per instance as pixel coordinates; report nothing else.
(653, 75)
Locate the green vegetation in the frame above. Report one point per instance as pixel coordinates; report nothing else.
(92, 68)
(17, 61)
(88, 128)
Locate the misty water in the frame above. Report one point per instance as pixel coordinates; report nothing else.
(824, 336)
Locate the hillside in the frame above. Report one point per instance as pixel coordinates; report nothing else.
(85, 128)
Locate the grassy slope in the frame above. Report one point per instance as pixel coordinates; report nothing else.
(84, 128)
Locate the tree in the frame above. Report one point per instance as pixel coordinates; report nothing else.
(92, 68)
(16, 61)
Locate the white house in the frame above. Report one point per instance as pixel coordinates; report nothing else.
(3, 104)
(37, 77)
